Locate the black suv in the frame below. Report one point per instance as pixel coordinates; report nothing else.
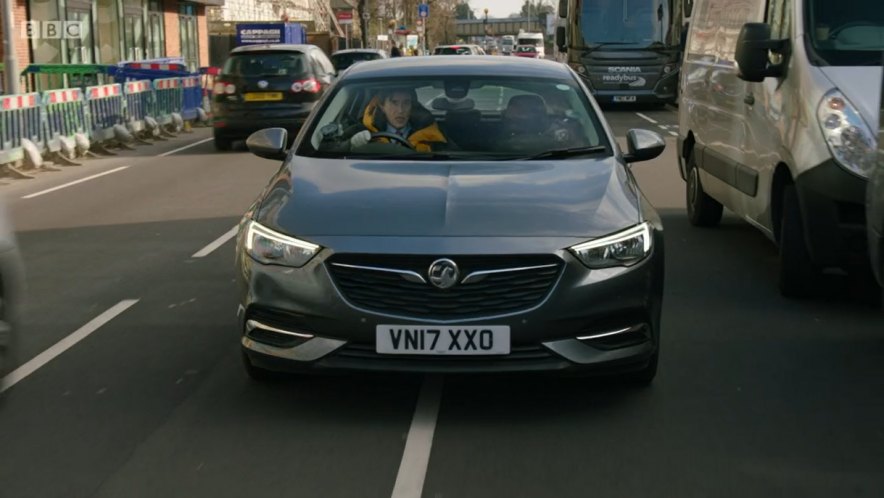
(264, 86)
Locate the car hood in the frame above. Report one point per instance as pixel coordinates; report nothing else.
(322, 197)
(862, 85)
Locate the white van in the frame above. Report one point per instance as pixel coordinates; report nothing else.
(778, 123)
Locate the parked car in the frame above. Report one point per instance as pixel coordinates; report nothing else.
(530, 248)
(802, 182)
(268, 85)
(875, 202)
(458, 50)
(342, 59)
(11, 286)
(528, 51)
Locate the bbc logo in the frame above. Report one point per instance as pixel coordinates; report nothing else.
(53, 30)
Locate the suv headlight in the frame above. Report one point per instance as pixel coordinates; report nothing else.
(624, 248)
(850, 139)
(273, 248)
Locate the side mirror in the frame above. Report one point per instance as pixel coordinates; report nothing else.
(752, 55)
(268, 143)
(643, 145)
(563, 9)
(560, 39)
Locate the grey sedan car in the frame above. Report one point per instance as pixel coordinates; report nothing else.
(453, 215)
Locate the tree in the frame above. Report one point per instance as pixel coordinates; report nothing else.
(536, 9)
(463, 11)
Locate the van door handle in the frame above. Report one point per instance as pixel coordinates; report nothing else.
(749, 99)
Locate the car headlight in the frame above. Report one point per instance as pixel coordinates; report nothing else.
(273, 248)
(850, 139)
(624, 248)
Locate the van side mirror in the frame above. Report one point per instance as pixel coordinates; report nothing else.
(561, 42)
(268, 143)
(563, 9)
(753, 53)
(643, 145)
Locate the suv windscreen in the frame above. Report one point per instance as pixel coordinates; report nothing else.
(343, 61)
(847, 32)
(459, 118)
(452, 51)
(267, 64)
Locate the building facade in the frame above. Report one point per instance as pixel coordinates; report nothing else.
(114, 31)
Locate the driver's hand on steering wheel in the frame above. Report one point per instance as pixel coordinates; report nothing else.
(360, 139)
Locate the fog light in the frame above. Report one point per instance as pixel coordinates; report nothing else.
(273, 336)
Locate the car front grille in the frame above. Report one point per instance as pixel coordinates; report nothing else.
(516, 283)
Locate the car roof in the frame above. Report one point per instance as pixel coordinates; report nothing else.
(276, 47)
(359, 50)
(457, 65)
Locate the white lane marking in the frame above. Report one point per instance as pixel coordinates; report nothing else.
(179, 149)
(416, 457)
(205, 251)
(75, 182)
(674, 134)
(63, 345)
(652, 121)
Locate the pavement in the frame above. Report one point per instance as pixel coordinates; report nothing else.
(130, 381)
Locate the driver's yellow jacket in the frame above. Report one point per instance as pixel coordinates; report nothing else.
(426, 134)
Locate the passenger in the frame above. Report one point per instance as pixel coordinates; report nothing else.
(527, 125)
(397, 111)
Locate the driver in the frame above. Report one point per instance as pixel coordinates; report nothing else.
(396, 111)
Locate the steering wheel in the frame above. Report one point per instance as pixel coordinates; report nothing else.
(835, 32)
(391, 136)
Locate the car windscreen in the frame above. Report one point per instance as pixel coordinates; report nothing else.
(847, 32)
(266, 64)
(526, 48)
(460, 118)
(343, 61)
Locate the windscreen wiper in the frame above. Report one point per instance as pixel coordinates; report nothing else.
(570, 152)
(605, 44)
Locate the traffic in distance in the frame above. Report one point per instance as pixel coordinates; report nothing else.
(679, 204)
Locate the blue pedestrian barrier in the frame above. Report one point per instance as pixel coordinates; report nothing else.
(168, 98)
(192, 97)
(139, 103)
(20, 117)
(65, 115)
(106, 109)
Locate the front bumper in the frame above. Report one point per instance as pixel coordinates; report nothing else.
(581, 303)
(664, 92)
(833, 208)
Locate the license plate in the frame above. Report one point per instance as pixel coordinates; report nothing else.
(451, 340)
(263, 96)
(625, 98)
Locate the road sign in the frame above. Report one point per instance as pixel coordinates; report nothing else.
(423, 10)
(344, 16)
(366, 15)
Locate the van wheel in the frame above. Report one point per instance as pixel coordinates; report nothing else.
(798, 275)
(703, 211)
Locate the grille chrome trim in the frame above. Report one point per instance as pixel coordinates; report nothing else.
(254, 324)
(479, 275)
(406, 274)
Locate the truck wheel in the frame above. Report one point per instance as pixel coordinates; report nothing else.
(703, 211)
(798, 274)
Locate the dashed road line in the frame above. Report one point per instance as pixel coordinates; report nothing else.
(215, 244)
(646, 118)
(75, 182)
(416, 457)
(179, 149)
(63, 345)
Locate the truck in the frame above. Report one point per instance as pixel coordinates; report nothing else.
(532, 40)
(626, 51)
